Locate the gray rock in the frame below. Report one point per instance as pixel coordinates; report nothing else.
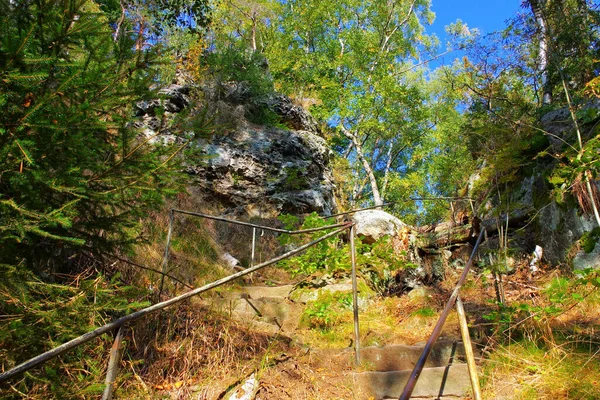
(292, 115)
(559, 125)
(174, 99)
(276, 170)
(372, 225)
(560, 227)
(251, 170)
(583, 260)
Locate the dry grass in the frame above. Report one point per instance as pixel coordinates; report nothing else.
(192, 352)
(548, 351)
(383, 321)
(525, 370)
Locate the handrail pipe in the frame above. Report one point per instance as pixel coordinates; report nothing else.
(63, 348)
(416, 372)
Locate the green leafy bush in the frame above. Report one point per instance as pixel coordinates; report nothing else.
(330, 255)
(327, 311)
(238, 64)
(379, 263)
(590, 239)
(531, 320)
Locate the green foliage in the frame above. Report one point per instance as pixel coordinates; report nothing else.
(73, 172)
(330, 255)
(378, 263)
(426, 312)
(38, 316)
(573, 165)
(381, 264)
(237, 64)
(590, 239)
(355, 62)
(326, 312)
(530, 320)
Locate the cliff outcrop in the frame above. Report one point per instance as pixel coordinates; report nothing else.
(249, 167)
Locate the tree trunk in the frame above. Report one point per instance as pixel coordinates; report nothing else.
(388, 165)
(368, 170)
(543, 56)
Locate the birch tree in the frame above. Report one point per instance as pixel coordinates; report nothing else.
(356, 59)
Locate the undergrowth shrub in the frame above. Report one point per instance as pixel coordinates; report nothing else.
(547, 346)
(327, 310)
(330, 255)
(37, 316)
(249, 72)
(532, 320)
(379, 263)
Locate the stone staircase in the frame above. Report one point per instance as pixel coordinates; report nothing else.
(384, 371)
(388, 368)
(267, 308)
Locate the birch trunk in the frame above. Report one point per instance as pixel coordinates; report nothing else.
(365, 163)
(536, 8)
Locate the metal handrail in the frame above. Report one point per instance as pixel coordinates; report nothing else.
(266, 228)
(437, 330)
(55, 352)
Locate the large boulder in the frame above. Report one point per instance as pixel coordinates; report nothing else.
(261, 171)
(372, 225)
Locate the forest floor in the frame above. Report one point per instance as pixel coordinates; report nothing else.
(532, 354)
(542, 342)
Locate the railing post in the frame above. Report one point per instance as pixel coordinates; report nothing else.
(352, 234)
(253, 246)
(466, 338)
(251, 276)
(166, 255)
(113, 365)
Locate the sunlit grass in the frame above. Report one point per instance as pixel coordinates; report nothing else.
(525, 370)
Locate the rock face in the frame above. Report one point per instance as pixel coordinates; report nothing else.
(262, 171)
(372, 225)
(249, 169)
(529, 208)
(560, 228)
(174, 99)
(583, 260)
(560, 125)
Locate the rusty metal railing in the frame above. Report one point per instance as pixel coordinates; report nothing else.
(437, 330)
(120, 322)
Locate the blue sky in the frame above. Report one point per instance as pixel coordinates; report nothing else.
(488, 16)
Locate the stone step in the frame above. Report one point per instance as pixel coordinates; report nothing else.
(262, 303)
(268, 292)
(401, 357)
(395, 357)
(450, 381)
